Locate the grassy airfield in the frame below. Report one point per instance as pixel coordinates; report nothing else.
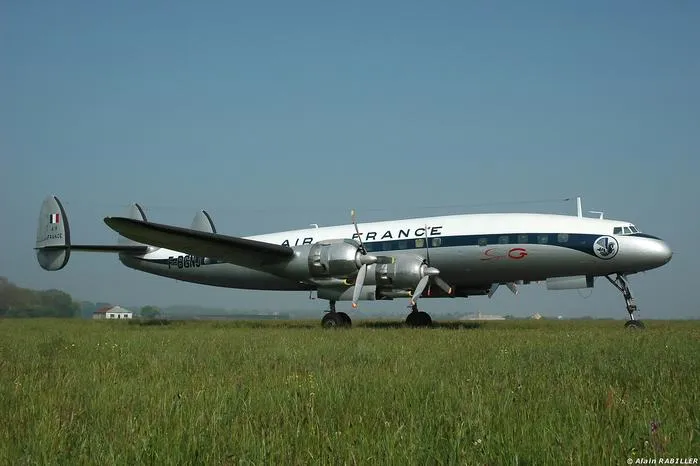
(513, 392)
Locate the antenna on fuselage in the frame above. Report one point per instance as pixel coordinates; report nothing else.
(597, 212)
(579, 212)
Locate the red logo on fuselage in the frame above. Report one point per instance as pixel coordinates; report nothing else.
(502, 253)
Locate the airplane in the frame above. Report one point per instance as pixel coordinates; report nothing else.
(415, 258)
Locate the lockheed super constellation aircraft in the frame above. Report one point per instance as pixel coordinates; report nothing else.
(433, 257)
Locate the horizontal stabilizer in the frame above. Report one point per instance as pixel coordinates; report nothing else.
(239, 251)
(133, 249)
(203, 222)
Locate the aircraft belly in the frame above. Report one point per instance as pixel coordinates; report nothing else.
(219, 274)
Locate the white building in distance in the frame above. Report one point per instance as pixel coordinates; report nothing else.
(112, 312)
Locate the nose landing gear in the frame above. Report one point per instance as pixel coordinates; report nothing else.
(621, 283)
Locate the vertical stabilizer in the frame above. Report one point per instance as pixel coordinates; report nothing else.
(136, 212)
(52, 235)
(203, 222)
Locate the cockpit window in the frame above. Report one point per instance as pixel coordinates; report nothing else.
(625, 230)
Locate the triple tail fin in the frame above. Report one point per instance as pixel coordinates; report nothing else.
(203, 222)
(53, 242)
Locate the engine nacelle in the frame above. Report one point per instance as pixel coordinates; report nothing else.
(334, 258)
(368, 293)
(404, 273)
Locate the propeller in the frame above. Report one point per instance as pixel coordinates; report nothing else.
(430, 275)
(363, 260)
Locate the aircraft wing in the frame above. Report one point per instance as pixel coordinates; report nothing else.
(239, 251)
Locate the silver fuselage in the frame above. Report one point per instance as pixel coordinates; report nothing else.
(469, 250)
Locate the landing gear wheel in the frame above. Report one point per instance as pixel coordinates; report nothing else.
(332, 320)
(347, 322)
(418, 318)
(335, 319)
(634, 324)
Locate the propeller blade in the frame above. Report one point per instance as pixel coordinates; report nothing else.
(427, 249)
(419, 288)
(442, 284)
(359, 236)
(359, 282)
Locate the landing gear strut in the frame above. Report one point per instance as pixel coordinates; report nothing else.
(418, 318)
(621, 283)
(335, 319)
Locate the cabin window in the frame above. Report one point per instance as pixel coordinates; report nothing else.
(627, 230)
(386, 245)
(483, 241)
(563, 237)
(522, 239)
(436, 242)
(503, 239)
(420, 243)
(543, 239)
(403, 244)
(617, 231)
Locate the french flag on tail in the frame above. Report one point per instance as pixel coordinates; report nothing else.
(55, 218)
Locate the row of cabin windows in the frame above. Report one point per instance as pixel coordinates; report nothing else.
(484, 241)
(404, 244)
(524, 239)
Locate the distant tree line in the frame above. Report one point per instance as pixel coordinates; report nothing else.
(23, 302)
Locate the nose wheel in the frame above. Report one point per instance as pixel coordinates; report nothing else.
(621, 283)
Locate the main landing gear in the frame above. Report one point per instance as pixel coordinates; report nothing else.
(335, 319)
(418, 318)
(621, 283)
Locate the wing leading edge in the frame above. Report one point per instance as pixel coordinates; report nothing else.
(235, 250)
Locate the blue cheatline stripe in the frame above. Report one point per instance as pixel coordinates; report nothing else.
(575, 241)
(644, 235)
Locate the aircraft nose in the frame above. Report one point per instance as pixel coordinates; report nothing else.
(659, 252)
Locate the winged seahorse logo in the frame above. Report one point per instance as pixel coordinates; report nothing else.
(605, 247)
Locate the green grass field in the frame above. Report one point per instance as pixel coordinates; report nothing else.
(513, 392)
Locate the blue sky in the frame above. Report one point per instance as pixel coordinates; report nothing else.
(274, 115)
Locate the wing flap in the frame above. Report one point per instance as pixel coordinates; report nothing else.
(235, 250)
